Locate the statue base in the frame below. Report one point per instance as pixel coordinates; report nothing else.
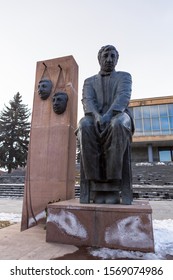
(125, 227)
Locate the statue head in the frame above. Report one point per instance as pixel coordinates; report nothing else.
(59, 101)
(44, 88)
(108, 58)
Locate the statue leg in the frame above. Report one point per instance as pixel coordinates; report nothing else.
(107, 197)
(117, 158)
(126, 183)
(112, 197)
(90, 148)
(105, 192)
(118, 137)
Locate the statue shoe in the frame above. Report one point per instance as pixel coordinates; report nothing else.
(112, 198)
(99, 198)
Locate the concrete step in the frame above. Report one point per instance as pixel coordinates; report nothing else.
(11, 190)
(152, 173)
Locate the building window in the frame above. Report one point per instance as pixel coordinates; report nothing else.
(166, 154)
(153, 120)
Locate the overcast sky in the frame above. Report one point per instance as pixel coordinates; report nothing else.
(35, 30)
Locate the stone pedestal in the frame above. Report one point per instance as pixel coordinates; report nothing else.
(52, 149)
(126, 227)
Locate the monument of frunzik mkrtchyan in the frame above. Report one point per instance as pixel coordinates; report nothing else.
(106, 214)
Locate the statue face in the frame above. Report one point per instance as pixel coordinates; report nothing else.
(60, 102)
(108, 60)
(44, 88)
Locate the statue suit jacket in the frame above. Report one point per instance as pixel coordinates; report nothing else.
(119, 92)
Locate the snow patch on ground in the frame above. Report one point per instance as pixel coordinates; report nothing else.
(163, 234)
(163, 239)
(11, 217)
(144, 164)
(38, 217)
(153, 163)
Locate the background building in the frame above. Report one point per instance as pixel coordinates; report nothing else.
(153, 138)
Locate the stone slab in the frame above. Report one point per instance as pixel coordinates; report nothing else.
(126, 227)
(50, 174)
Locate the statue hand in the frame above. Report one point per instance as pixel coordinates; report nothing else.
(105, 120)
(102, 122)
(97, 121)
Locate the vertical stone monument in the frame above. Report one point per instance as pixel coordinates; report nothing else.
(52, 150)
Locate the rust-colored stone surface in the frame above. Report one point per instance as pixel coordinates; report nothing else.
(126, 227)
(51, 158)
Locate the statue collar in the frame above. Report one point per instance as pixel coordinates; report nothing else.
(103, 73)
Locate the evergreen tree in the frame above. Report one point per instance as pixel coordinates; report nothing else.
(14, 134)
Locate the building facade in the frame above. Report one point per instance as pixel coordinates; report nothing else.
(153, 137)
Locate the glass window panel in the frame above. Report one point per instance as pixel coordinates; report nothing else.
(171, 122)
(154, 111)
(137, 113)
(156, 132)
(138, 133)
(164, 132)
(147, 125)
(164, 123)
(165, 155)
(138, 125)
(155, 124)
(163, 110)
(170, 109)
(146, 111)
(149, 132)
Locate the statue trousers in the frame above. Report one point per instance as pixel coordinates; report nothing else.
(102, 154)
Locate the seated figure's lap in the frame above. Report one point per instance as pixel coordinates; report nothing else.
(120, 119)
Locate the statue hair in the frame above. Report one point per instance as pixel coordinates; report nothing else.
(107, 48)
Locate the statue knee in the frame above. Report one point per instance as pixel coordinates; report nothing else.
(85, 122)
(116, 122)
(122, 120)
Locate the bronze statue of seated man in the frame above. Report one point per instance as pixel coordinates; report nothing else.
(106, 129)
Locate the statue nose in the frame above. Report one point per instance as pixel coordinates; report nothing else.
(41, 88)
(109, 59)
